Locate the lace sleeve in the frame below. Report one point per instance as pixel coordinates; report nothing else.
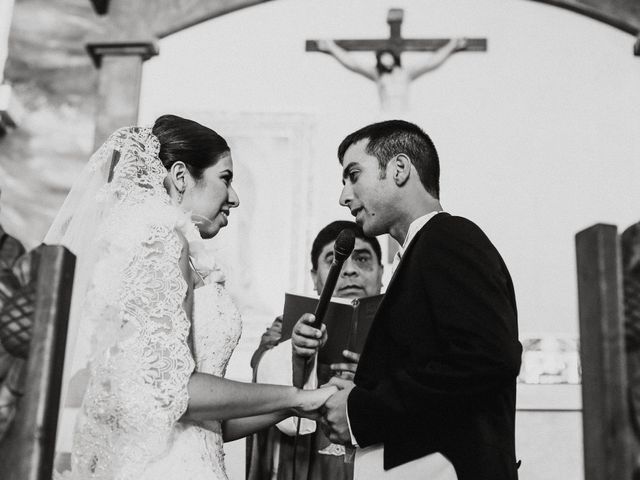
(138, 388)
(153, 339)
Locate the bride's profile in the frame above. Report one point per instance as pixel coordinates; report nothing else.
(151, 322)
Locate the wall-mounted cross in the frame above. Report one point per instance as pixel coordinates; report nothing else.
(397, 43)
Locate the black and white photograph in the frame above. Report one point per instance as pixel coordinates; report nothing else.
(318, 240)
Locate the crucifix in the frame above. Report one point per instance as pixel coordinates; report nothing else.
(391, 78)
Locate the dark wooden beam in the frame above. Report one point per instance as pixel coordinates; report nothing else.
(394, 19)
(621, 14)
(395, 42)
(28, 449)
(607, 436)
(407, 44)
(630, 244)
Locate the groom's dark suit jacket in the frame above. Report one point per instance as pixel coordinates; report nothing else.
(438, 371)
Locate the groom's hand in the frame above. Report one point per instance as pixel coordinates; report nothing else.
(311, 402)
(334, 422)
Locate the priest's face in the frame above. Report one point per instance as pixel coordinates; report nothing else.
(369, 192)
(361, 274)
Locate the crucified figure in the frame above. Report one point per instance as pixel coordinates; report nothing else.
(390, 76)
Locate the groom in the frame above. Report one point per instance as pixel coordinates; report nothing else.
(435, 388)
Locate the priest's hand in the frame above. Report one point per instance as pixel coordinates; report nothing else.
(305, 343)
(306, 340)
(346, 370)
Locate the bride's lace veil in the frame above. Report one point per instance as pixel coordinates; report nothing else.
(123, 174)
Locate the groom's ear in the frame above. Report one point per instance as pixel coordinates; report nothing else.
(401, 169)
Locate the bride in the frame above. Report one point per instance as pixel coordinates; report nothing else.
(151, 320)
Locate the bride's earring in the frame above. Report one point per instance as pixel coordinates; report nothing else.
(180, 197)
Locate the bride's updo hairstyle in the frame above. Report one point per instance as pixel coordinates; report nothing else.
(182, 140)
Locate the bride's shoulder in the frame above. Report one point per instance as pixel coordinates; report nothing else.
(205, 263)
(184, 246)
(184, 243)
(183, 260)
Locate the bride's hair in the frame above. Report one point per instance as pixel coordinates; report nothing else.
(183, 140)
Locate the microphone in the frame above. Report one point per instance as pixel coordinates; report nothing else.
(342, 248)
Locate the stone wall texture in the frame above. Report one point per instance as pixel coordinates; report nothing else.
(55, 81)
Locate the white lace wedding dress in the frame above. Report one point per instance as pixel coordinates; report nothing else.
(196, 452)
(110, 446)
(128, 315)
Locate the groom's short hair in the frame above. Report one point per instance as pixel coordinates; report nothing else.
(392, 137)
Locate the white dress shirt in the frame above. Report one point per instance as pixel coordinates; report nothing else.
(414, 228)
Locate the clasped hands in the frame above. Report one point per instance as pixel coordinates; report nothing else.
(332, 416)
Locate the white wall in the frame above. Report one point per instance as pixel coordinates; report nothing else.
(537, 137)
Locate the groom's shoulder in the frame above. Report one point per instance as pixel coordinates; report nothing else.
(451, 233)
(447, 225)
(450, 236)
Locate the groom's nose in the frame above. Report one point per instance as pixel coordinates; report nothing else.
(346, 196)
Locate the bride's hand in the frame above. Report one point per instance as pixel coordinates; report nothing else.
(310, 401)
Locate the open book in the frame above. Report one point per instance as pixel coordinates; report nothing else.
(347, 320)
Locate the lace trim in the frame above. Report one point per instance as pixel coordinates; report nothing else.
(140, 361)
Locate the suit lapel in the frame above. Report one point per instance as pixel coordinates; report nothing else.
(375, 337)
(423, 231)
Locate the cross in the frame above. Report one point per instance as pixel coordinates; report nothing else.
(396, 43)
(396, 85)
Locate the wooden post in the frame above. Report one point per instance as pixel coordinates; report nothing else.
(27, 451)
(120, 64)
(630, 243)
(607, 439)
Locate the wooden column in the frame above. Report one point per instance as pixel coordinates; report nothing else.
(27, 451)
(120, 76)
(630, 244)
(607, 439)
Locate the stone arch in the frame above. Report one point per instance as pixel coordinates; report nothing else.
(130, 31)
(621, 14)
